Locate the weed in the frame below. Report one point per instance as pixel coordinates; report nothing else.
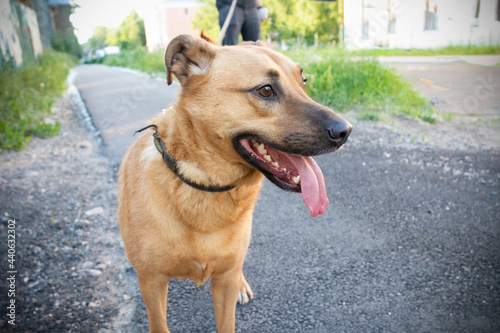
(448, 116)
(138, 58)
(26, 96)
(448, 50)
(367, 115)
(362, 84)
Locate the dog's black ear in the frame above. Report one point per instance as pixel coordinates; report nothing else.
(186, 56)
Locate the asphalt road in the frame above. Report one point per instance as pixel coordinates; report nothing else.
(409, 243)
(121, 101)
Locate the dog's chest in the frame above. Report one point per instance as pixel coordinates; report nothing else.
(210, 254)
(200, 272)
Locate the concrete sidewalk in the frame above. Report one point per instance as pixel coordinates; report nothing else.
(120, 101)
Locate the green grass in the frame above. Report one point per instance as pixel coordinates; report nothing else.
(444, 51)
(447, 50)
(26, 97)
(138, 58)
(363, 85)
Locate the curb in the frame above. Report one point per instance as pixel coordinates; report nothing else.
(76, 98)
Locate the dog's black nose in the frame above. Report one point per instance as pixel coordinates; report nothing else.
(339, 131)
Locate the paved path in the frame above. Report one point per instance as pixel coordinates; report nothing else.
(409, 243)
(120, 101)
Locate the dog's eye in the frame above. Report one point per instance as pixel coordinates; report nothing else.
(266, 91)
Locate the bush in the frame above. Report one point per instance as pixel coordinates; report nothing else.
(138, 58)
(67, 43)
(26, 97)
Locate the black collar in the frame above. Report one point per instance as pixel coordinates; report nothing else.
(172, 165)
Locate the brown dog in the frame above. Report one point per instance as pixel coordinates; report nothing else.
(186, 196)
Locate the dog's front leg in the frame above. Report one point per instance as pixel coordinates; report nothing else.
(225, 289)
(154, 289)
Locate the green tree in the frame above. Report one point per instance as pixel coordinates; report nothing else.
(131, 33)
(113, 37)
(207, 18)
(302, 20)
(98, 39)
(67, 43)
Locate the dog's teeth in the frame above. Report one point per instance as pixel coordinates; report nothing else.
(261, 149)
(275, 164)
(268, 158)
(296, 180)
(284, 169)
(254, 143)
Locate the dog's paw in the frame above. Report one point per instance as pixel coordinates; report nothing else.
(245, 295)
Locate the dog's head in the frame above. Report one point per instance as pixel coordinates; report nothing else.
(252, 103)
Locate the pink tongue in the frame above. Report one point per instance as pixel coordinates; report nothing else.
(312, 184)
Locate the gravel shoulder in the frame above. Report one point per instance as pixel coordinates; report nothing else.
(466, 98)
(61, 192)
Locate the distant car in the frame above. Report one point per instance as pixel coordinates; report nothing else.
(112, 50)
(101, 53)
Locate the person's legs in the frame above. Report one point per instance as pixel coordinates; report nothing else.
(251, 26)
(234, 28)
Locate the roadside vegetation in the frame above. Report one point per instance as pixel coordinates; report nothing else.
(444, 51)
(26, 96)
(361, 84)
(138, 58)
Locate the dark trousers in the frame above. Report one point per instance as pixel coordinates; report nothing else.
(244, 21)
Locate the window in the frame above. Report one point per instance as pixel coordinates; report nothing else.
(431, 15)
(478, 6)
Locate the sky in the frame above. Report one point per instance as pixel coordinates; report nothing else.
(107, 13)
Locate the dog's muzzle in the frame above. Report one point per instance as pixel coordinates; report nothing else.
(339, 131)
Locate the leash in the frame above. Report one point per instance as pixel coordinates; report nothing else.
(226, 23)
(171, 162)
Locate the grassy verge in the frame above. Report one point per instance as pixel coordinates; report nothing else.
(444, 51)
(138, 58)
(26, 96)
(363, 85)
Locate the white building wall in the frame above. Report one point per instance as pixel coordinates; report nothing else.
(456, 24)
(166, 19)
(353, 25)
